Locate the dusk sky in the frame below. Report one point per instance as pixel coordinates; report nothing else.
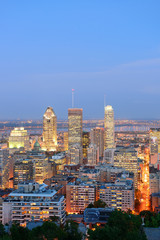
(97, 47)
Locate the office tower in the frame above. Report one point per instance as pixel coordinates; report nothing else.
(19, 138)
(119, 195)
(42, 168)
(75, 134)
(109, 156)
(33, 201)
(74, 127)
(65, 141)
(85, 143)
(97, 137)
(109, 141)
(92, 155)
(126, 157)
(78, 196)
(49, 130)
(154, 135)
(4, 168)
(23, 171)
(76, 154)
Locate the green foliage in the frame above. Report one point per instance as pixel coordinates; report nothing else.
(151, 219)
(97, 204)
(18, 232)
(71, 229)
(121, 226)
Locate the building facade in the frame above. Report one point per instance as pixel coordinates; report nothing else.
(97, 137)
(126, 157)
(49, 130)
(33, 201)
(109, 138)
(19, 138)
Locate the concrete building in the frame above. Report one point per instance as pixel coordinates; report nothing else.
(33, 201)
(49, 130)
(23, 171)
(97, 137)
(108, 173)
(78, 196)
(126, 157)
(4, 168)
(109, 138)
(92, 155)
(109, 155)
(118, 195)
(154, 182)
(60, 160)
(19, 138)
(76, 154)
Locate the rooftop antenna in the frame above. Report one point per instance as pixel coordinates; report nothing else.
(72, 98)
(104, 100)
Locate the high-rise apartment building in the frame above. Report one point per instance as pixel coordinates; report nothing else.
(118, 195)
(49, 130)
(109, 140)
(78, 196)
(85, 142)
(97, 137)
(126, 157)
(92, 155)
(19, 138)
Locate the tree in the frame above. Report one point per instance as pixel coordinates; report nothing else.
(71, 229)
(99, 204)
(18, 232)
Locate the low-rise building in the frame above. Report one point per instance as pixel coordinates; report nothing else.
(33, 201)
(79, 195)
(119, 195)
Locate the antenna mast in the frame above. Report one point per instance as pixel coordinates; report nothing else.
(72, 98)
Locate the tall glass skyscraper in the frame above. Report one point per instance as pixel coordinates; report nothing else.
(74, 126)
(49, 130)
(75, 132)
(109, 141)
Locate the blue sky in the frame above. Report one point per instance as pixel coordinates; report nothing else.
(98, 48)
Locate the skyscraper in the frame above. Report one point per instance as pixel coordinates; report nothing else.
(109, 141)
(75, 130)
(85, 142)
(97, 137)
(49, 130)
(74, 126)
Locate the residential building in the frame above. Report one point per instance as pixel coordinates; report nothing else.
(33, 201)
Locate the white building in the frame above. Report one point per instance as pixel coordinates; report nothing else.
(109, 139)
(33, 201)
(92, 155)
(119, 195)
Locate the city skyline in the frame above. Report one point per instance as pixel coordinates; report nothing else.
(97, 49)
